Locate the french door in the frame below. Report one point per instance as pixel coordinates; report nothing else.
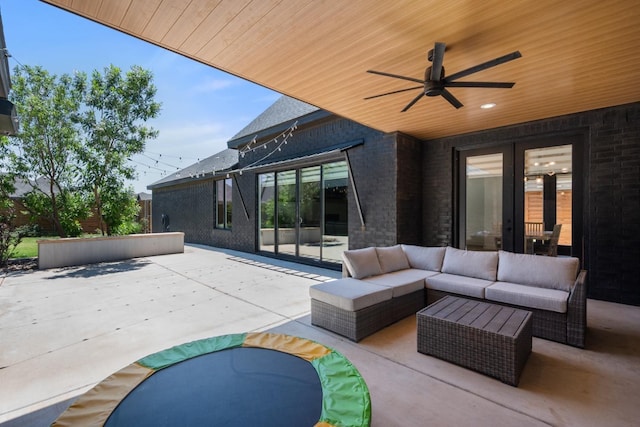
(511, 196)
(485, 199)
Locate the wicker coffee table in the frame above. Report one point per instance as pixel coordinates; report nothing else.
(488, 338)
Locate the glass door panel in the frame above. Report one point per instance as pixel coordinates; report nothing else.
(220, 207)
(335, 239)
(564, 211)
(287, 214)
(310, 239)
(547, 195)
(483, 202)
(228, 195)
(266, 191)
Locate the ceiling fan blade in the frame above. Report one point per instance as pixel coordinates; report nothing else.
(498, 85)
(409, 105)
(395, 76)
(395, 91)
(452, 99)
(438, 58)
(501, 60)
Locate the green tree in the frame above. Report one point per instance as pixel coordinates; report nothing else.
(48, 141)
(76, 135)
(119, 211)
(113, 117)
(10, 234)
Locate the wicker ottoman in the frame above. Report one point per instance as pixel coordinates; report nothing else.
(488, 338)
(352, 308)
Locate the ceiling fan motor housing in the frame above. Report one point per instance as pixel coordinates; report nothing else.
(431, 87)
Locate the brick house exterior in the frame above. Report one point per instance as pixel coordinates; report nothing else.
(407, 188)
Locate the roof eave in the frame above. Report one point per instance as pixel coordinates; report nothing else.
(190, 179)
(279, 128)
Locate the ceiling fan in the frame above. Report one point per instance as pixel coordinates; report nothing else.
(435, 83)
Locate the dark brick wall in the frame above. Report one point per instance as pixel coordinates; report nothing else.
(189, 207)
(242, 236)
(409, 189)
(611, 205)
(309, 139)
(614, 211)
(374, 173)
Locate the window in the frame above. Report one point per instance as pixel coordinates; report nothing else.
(223, 201)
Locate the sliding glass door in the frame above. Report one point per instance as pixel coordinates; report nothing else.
(287, 217)
(310, 242)
(267, 212)
(335, 236)
(303, 212)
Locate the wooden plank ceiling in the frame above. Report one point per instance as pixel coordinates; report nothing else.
(576, 55)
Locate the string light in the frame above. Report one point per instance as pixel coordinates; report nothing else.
(285, 135)
(276, 143)
(253, 144)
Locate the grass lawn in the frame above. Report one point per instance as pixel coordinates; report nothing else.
(28, 248)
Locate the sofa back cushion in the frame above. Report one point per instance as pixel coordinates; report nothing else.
(541, 271)
(483, 265)
(362, 263)
(424, 258)
(392, 259)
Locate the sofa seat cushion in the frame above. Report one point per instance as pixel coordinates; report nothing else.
(362, 263)
(424, 258)
(402, 282)
(461, 285)
(541, 271)
(478, 264)
(528, 296)
(350, 294)
(392, 259)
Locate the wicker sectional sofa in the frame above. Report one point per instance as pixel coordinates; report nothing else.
(383, 285)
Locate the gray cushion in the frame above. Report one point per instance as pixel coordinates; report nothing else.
(462, 285)
(541, 271)
(392, 259)
(362, 262)
(402, 282)
(528, 296)
(350, 294)
(483, 265)
(424, 258)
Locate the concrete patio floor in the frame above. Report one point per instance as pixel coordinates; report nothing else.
(63, 330)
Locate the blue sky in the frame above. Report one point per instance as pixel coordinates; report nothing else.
(202, 108)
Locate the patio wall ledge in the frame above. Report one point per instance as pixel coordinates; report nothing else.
(80, 251)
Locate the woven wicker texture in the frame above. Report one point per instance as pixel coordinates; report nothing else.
(354, 325)
(567, 328)
(488, 338)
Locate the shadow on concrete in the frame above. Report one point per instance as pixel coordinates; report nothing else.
(100, 269)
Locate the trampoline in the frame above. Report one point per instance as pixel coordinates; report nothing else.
(231, 380)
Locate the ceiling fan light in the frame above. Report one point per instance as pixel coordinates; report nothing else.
(488, 106)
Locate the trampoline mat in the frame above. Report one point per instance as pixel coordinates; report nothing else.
(248, 379)
(235, 387)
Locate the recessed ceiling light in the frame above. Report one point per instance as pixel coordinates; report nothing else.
(487, 106)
